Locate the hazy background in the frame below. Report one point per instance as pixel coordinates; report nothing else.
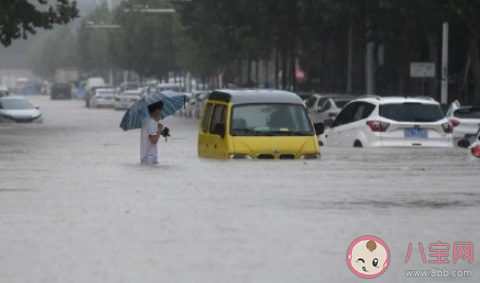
(15, 56)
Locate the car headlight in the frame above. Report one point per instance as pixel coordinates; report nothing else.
(240, 156)
(311, 156)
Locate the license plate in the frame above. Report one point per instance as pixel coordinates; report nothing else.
(416, 133)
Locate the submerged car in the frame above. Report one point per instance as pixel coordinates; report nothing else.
(465, 121)
(19, 110)
(473, 144)
(126, 99)
(326, 106)
(61, 91)
(374, 121)
(257, 124)
(103, 97)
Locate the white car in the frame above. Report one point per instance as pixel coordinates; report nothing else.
(326, 106)
(374, 121)
(465, 121)
(19, 109)
(126, 99)
(103, 97)
(473, 144)
(200, 98)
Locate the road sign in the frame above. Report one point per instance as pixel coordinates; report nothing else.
(422, 70)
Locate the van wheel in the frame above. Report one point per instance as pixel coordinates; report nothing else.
(357, 144)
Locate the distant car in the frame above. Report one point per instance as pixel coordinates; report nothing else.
(465, 121)
(326, 106)
(129, 86)
(61, 91)
(90, 86)
(374, 121)
(305, 96)
(103, 97)
(19, 109)
(3, 91)
(169, 86)
(200, 99)
(126, 99)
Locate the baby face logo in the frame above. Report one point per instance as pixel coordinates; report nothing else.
(368, 257)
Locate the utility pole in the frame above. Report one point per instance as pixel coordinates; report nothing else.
(444, 98)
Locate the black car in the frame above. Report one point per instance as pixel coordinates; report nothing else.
(61, 91)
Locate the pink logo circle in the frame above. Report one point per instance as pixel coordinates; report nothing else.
(368, 257)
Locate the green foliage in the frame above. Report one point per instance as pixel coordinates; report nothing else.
(92, 45)
(145, 43)
(19, 18)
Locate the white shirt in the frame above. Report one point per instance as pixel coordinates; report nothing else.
(148, 150)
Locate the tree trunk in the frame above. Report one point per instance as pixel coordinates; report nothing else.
(277, 68)
(284, 55)
(475, 61)
(249, 71)
(350, 60)
(257, 73)
(370, 68)
(293, 70)
(267, 72)
(240, 72)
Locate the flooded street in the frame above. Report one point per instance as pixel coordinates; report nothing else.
(76, 206)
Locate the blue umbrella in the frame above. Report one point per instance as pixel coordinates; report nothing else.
(172, 102)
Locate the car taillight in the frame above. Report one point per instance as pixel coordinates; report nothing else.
(332, 115)
(454, 122)
(378, 126)
(476, 151)
(448, 128)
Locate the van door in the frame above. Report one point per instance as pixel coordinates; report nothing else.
(203, 131)
(218, 131)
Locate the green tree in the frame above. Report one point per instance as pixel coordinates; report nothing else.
(145, 42)
(19, 18)
(92, 45)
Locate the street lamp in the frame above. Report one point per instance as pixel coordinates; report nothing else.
(102, 25)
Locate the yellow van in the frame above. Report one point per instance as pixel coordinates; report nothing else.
(257, 124)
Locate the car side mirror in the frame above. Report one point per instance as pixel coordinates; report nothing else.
(328, 123)
(37, 107)
(319, 128)
(219, 129)
(463, 143)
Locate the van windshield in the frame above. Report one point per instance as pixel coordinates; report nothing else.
(270, 120)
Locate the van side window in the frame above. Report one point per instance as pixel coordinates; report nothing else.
(206, 117)
(217, 125)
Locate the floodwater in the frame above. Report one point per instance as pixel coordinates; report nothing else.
(76, 206)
